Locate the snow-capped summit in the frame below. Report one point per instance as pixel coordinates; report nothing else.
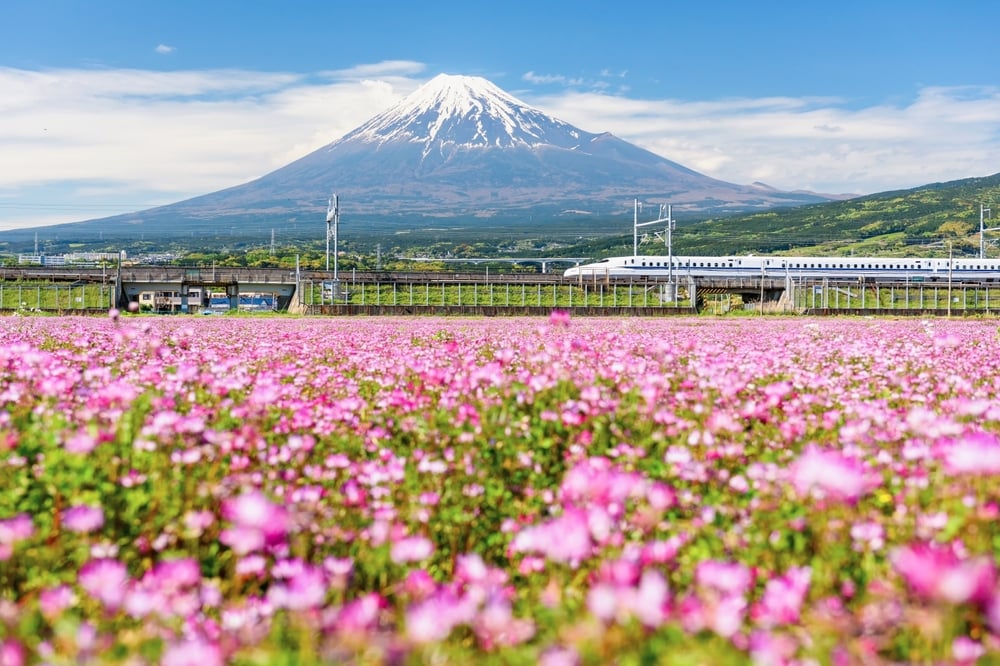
(465, 111)
(458, 151)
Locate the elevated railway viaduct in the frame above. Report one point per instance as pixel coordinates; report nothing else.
(436, 292)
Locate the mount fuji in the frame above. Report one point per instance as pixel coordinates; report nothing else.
(458, 151)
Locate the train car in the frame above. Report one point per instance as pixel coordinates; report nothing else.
(846, 268)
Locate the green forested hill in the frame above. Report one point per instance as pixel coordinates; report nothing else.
(920, 221)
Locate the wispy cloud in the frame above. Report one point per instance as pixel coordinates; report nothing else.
(78, 144)
(164, 49)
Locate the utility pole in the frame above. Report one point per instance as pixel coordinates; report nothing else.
(332, 228)
(983, 214)
(950, 262)
(635, 227)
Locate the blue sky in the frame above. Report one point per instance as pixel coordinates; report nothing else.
(110, 106)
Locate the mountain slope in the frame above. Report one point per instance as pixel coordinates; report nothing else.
(930, 220)
(456, 150)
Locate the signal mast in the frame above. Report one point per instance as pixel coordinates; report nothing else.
(332, 227)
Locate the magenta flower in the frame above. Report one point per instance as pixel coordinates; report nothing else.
(868, 534)
(176, 574)
(303, 590)
(772, 648)
(12, 530)
(12, 653)
(83, 518)
(495, 625)
(828, 474)
(104, 579)
(650, 598)
(361, 615)
(646, 601)
(418, 584)
(564, 539)
(559, 318)
(433, 619)
(726, 578)
(726, 616)
(964, 650)
(974, 453)
(411, 549)
(935, 572)
(192, 652)
(54, 600)
(257, 522)
(783, 598)
(81, 443)
(559, 656)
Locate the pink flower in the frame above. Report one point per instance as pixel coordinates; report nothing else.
(783, 598)
(726, 617)
(411, 549)
(647, 601)
(12, 653)
(559, 318)
(564, 539)
(828, 474)
(726, 578)
(183, 572)
(558, 656)
(495, 625)
(192, 652)
(361, 614)
(105, 580)
(975, 453)
(81, 443)
(243, 540)
(868, 534)
(768, 648)
(12, 530)
(83, 518)
(936, 572)
(305, 589)
(54, 600)
(419, 584)
(966, 651)
(257, 522)
(433, 619)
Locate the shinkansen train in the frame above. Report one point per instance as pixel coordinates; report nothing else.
(848, 268)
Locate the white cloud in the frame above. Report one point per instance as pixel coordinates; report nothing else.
(164, 49)
(818, 144)
(158, 137)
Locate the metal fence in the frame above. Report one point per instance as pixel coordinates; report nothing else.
(492, 294)
(909, 296)
(55, 296)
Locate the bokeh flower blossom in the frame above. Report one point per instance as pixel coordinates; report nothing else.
(104, 579)
(828, 474)
(934, 571)
(83, 518)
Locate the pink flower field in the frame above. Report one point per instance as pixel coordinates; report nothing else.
(182, 491)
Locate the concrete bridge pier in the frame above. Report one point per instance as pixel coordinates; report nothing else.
(233, 293)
